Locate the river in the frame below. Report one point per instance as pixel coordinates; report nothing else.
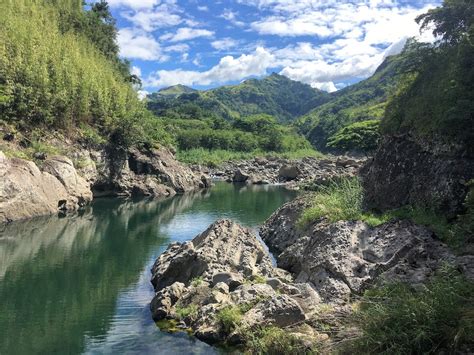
(81, 284)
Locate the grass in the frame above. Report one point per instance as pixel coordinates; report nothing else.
(197, 281)
(216, 157)
(274, 340)
(398, 319)
(230, 318)
(342, 200)
(185, 312)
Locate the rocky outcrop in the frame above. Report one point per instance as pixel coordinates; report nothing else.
(153, 172)
(274, 170)
(344, 258)
(26, 191)
(57, 184)
(409, 171)
(227, 268)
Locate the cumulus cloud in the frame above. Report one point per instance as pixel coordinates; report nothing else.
(228, 69)
(135, 44)
(186, 33)
(151, 19)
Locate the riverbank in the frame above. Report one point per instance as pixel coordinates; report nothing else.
(278, 170)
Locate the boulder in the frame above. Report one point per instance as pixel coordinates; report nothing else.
(27, 192)
(226, 267)
(240, 176)
(289, 172)
(225, 247)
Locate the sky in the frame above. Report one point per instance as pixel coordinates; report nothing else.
(328, 44)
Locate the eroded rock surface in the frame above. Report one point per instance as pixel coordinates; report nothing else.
(410, 171)
(344, 258)
(59, 184)
(226, 267)
(26, 191)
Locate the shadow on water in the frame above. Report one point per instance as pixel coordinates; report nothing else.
(80, 284)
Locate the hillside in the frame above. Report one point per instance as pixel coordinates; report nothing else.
(275, 95)
(363, 101)
(60, 71)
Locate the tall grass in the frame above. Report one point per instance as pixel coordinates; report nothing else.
(58, 79)
(398, 319)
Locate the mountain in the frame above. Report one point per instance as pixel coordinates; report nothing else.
(275, 95)
(175, 90)
(363, 101)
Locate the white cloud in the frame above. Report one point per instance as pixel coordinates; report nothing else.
(134, 4)
(228, 69)
(231, 16)
(135, 44)
(326, 86)
(152, 19)
(186, 33)
(136, 71)
(224, 44)
(203, 8)
(178, 48)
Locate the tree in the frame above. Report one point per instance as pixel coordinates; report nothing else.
(451, 21)
(360, 136)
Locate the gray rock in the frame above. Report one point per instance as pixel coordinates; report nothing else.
(232, 280)
(240, 176)
(289, 172)
(343, 258)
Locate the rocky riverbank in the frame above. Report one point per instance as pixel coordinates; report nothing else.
(222, 286)
(53, 184)
(273, 170)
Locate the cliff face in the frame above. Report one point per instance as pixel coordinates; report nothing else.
(412, 171)
(59, 184)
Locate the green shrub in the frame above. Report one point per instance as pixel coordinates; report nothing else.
(398, 319)
(230, 318)
(274, 340)
(360, 136)
(188, 311)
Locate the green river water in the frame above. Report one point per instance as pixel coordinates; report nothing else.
(81, 284)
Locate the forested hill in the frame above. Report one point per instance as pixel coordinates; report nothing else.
(361, 102)
(275, 95)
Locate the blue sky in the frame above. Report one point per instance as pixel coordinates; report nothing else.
(327, 44)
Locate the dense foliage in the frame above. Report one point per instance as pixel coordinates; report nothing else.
(398, 319)
(359, 136)
(59, 68)
(257, 132)
(438, 98)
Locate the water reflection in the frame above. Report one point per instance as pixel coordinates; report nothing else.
(81, 283)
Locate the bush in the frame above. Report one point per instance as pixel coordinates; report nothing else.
(360, 136)
(398, 319)
(274, 340)
(230, 318)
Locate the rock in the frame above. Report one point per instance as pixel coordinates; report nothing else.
(226, 258)
(281, 311)
(344, 258)
(78, 189)
(240, 176)
(8, 137)
(223, 247)
(40, 155)
(409, 171)
(232, 280)
(289, 172)
(27, 192)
